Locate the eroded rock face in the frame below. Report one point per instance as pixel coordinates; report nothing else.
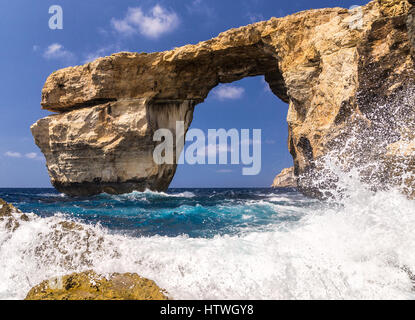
(109, 147)
(91, 286)
(344, 73)
(285, 179)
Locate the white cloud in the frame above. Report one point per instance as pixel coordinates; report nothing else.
(31, 155)
(57, 51)
(231, 92)
(152, 25)
(34, 156)
(13, 154)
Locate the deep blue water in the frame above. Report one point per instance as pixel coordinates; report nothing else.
(193, 212)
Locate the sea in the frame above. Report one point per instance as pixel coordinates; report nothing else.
(218, 243)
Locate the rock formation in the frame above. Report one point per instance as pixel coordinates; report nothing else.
(91, 286)
(344, 74)
(10, 216)
(63, 243)
(285, 179)
(71, 246)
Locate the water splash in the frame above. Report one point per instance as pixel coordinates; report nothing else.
(241, 244)
(360, 248)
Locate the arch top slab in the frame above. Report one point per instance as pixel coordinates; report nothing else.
(314, 60)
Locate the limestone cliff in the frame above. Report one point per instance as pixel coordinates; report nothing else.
(343, 73)
(285, 179)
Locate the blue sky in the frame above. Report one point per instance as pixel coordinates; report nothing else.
(93, 28)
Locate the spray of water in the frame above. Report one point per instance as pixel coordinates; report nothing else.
(360, 244)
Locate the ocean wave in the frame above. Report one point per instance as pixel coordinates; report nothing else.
(52, 195)
(362, 249)
(147, 195)
(279, 199)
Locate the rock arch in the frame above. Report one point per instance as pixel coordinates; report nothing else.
(317, 61)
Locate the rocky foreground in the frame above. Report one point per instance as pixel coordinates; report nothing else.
(79, 286)
(10, 216)
(91, 286)
(347, 77)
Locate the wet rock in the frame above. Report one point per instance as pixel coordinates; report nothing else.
(11, 216)
(91, 286)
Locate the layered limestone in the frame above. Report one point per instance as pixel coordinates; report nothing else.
(343, 73)
(285, 179)
(91, 286)
(109, 147)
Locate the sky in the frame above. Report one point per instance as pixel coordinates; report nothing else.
(93, 28)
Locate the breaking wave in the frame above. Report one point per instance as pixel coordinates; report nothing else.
(260, 245)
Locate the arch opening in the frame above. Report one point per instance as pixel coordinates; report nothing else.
(250, 104)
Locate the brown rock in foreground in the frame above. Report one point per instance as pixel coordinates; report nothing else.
(91, 286)
(347, 76)
(52, 248)
(286, 179)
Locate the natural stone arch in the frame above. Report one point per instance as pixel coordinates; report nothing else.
(317, 61)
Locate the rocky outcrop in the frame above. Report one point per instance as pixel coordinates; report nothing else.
(347, 76)
(10, 216)
(285, 179)
(109, 147)
(69, 246)
(91, 286)
(63, 243)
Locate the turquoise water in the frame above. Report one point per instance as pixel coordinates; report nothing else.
(193, 212)
(218, 243)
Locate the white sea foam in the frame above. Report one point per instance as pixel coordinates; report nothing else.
(362, 249)
(144, 196)
(359, 246)
(52, 195)
(280, 199)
